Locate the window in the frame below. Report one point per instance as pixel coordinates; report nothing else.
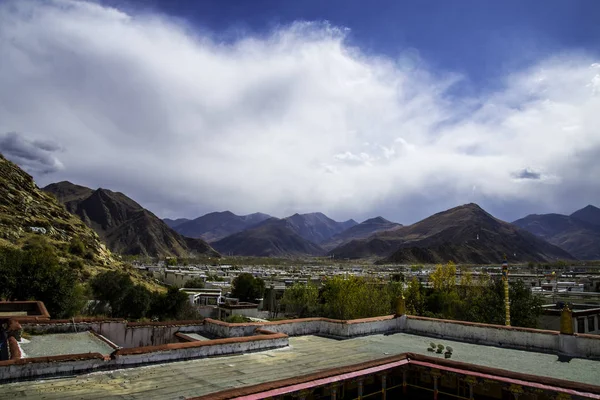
(591, 323)
(580, 325)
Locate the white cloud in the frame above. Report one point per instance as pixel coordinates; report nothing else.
(295, 121)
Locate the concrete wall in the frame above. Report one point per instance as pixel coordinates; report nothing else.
(50, 366)
(183, 351)
(307, 326)
(586, 346)
(120, 332)
(494, 335)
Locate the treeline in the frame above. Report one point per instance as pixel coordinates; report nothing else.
(476, 300)
(341, 298)
(116, 295)
(36, 272)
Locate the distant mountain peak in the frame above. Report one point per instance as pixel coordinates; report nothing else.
(217, 225)
(589, 214)
(376, 220)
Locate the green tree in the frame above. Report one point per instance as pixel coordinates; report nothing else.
(197, 283)
(170, 305)
(415, 297)
(444, 277)
(111, 289)
(301, 300)
(525, 306)
(356, 297)
(34, 273)
(136, 302)
(247, 288)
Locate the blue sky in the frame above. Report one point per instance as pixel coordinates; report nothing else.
(393, 108)
(479, 39)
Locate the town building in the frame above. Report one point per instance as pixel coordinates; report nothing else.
(584, 318)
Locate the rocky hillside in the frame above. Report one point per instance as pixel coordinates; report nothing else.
(25, 210)
(272, 238)
(124, 225)
(575, 233)
(217, 225)
(464, 234)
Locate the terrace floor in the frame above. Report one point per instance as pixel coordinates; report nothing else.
(63, 343)
(305, 355)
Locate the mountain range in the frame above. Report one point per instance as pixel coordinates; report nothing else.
(578, 233)
(272, 238)
(124, 225)
(216, 225)
(464, 234)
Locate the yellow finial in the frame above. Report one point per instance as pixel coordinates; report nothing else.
(566, 321)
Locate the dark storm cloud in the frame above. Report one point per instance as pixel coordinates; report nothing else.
(34, 156)
(527, 174)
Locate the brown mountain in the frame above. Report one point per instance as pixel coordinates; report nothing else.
(317, 227)
(25, 210)
(360, 231)
(124, 225)
(588, 214)
(464, 234)
(217, 225)
(575, 235)
(272, 238)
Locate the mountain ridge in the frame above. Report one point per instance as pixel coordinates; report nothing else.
(573, 233)
(360, 231)
(219, 224)
(464, 233)
(125, 226)
(272, 238)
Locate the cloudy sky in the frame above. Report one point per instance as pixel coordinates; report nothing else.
(352, 108)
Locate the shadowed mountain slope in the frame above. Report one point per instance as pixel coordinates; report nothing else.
(360, 231)
(272, 238)
(124, 225)
(577, 236)
(588, 214)
(317, 227)
(172, 223)
(217, 225)
(464, 234)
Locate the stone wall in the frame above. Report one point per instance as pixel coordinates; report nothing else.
(119, 331)
(198, 349)
(578, 345)
(307, 326)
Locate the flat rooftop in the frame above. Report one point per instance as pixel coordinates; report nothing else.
(63, 343)
(305, 355)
